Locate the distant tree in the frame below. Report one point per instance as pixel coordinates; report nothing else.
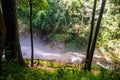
(91, 35)
(31, 33)
(12, 44)
(29, 6)
(92, 48)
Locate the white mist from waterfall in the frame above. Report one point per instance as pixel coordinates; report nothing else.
(46, 51)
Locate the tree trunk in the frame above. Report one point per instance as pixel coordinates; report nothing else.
(31, 34)
(2, 37)
(90, 37)
(95, 36)
(13, 49)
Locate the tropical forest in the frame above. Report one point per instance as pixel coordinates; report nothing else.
(59, 39)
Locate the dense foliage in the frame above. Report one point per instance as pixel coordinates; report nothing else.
(62, 21)
(23, 8)
(15, 72)
(110, 25)
(69, 21)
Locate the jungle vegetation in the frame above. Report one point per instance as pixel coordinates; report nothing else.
(82, 25)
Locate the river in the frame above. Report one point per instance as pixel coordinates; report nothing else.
(48, 51)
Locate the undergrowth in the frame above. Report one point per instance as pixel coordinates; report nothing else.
(15, 72)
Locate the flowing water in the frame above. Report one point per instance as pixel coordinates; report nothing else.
(48, 50)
